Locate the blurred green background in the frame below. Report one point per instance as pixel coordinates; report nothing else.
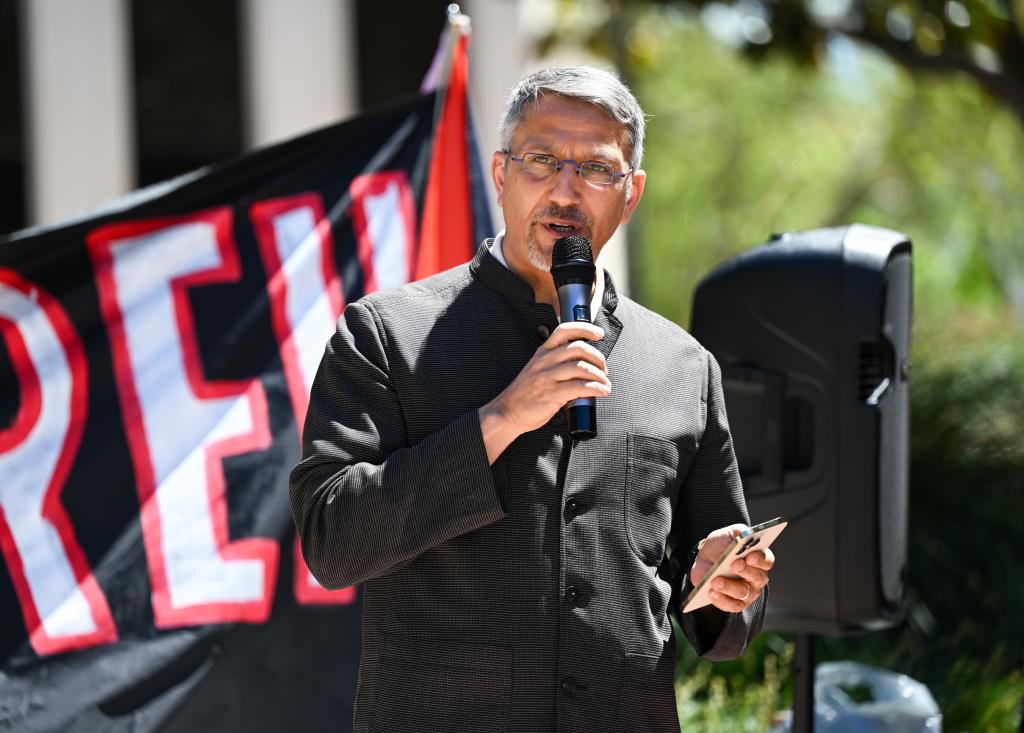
(791, 115)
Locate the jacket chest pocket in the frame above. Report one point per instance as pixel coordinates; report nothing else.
(653, 475)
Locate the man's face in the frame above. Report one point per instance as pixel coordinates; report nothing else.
(538, 211)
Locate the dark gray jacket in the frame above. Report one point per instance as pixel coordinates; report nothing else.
(531, 595)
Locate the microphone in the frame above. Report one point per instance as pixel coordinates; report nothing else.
(572, 269)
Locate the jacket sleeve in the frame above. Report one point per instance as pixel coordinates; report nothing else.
(363, 500)
(712, 497)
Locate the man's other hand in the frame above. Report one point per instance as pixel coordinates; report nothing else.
(732, 594)
(564, 368)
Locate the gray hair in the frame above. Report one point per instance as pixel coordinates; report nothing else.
(586, 84)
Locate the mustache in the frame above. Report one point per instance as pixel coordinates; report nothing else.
(568, 214)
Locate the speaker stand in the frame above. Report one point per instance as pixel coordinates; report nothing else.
(803, 684)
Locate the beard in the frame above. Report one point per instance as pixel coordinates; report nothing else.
(535, 252)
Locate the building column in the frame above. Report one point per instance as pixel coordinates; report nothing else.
(497, 54)
(300, 60)
(81, 150)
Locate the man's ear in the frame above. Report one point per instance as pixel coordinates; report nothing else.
(636, 190)
(498, 161)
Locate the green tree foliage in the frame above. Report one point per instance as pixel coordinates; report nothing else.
(739, 151)
(983, 39)
(741, 696)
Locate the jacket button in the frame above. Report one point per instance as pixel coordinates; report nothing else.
(571, 593)
(572, 506)
(568, 686)
(543, 331)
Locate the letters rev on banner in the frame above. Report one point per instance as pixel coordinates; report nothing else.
(156, 360)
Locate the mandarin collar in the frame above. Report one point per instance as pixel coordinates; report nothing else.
(519, 294)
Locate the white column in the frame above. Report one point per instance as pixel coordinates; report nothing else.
(300, 66)
(497, 53)
(81, 149)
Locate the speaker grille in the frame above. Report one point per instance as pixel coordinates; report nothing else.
(869, 369)
(894, 431)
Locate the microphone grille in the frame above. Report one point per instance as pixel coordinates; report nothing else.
(571, 248)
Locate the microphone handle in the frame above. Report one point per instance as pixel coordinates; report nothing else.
(574, 305)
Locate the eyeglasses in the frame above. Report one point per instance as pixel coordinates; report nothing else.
(543, 165)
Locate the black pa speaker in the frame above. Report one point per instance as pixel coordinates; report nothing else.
(812, 331)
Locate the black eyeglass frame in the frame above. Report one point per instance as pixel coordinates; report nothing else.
(576, 165)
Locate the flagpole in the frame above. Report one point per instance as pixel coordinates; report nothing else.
(439, 73)
(446, 227)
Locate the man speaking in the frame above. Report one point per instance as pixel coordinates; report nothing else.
(516, 578)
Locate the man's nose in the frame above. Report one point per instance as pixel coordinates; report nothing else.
(565, 185)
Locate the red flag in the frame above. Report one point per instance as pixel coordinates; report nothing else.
(446, 235)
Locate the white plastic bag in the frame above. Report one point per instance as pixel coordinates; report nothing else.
(856, 698)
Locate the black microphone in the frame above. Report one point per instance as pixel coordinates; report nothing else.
(572, 269)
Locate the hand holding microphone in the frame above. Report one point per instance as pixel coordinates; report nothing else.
(564, 368)
(565, 372)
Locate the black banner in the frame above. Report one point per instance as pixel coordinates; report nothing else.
(155, 362)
